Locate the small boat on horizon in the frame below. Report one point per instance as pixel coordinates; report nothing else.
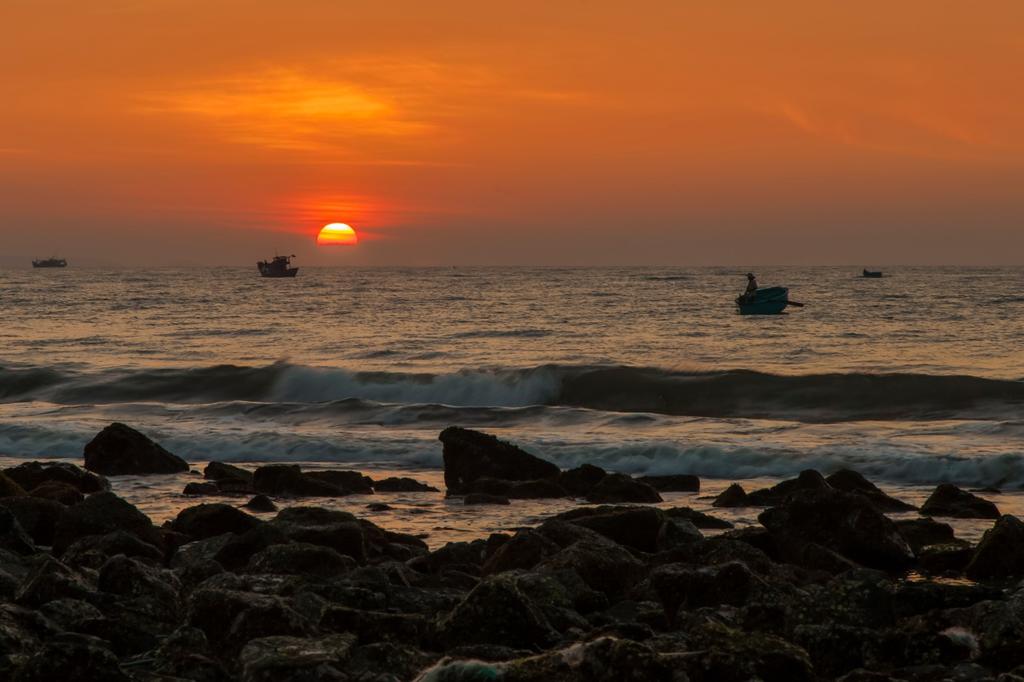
(872, 273)
(767, 301)
(279, 267)
(50, 263)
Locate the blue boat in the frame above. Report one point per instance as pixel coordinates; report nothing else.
(768, 301)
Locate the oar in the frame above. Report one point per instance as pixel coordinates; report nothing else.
(798, 305)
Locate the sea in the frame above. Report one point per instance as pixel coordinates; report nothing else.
(912, 379)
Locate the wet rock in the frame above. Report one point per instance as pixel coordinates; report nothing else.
(605, 659)
(497, 612)
(375, 626)
(72, 657)
(852, 482)
(842, 522)
(920, 533)
(237, 551)
(300, 558)
(220, 471)
(351, 481)
(615, 488)
(403, 485)
(8, 488)
(70, 614)
(387, 661)
(948, 558)
(92, 551)
(677, 483)
(57, 491)
(199, 489)
(948, 500)
(722, 653)
(808, 479)
(524, 550)
(185, 654)
(270, 659)
(484, 498)
(469, 455)
(581, 480)
(340, 531)
(733, 496)
(37, 516)
(207, 520)
(289, 480)
(698, 519)
(680, 586)
(129, 577)
(603, 566)
(379, 507)
(21, 632)
(1000, 554)
(53, 580)
(260, 503)
(13, 537)
(214, 611)
(647, 529)
(31, 475)
(103, 513)
(536, 490)
(119, 449)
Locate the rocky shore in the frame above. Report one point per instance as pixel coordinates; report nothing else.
(827, 587)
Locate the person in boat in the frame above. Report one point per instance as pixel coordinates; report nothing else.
(751, 287)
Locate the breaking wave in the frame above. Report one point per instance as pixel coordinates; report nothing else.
(723, 394)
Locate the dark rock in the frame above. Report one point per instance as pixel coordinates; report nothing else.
(92, 551)
(199, 489)
(71, 657)
(615, 488)
(70, 614)
(497, 612)
(119, 449)
(340, 531)
(733, 496)
(948, 500)
(208, 520)
(403, 484)
(920, 533)
(484, 486)
(53, 580)
(100, 514)
(289, 479)
(129, 577)
(266, 618)
(260, 503)
(469, 455)
(213, 610)
(582, 479)
(483, 498)
(31, 475)
(379, 506)
(13, 537)
(698, 519)
(680, 586)
(220, 471)
(1000, 554)
(603, 566)
(37, 516)
(387, 660)
(185, 654)
(351, 481)
(808, 479)
(375, 626)
(722, 653)
(8, 488)
(237, 550)
(606, 659)
(270, 659)
(842, 522)
(647, 529)
(57, 491)
(300, 558)
(524, 550)
(952, 557)
(678, 483)
(852, 482)
(536, 490)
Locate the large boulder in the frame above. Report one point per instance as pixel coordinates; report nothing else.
(9, 487)
(733, 496)
(338, 530)
(208, 520)
(581, 480)
(30, 475)
(37, 516)
(920, 533)
(220, 471)
(270, 659)
(402, 484)
(75, 658)
(852, 482)
(615, 488)
(808, 479)
(469, 455)
(351, 481)
(842, 522)
(300, 558)
(647, 529)
(290, 480)
(1000, 554)
(603, 566)
(119, 449)
(100, 514)
(56, 491)
(13, 537)
(948, 500)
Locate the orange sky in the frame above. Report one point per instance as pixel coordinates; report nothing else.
(188, 131)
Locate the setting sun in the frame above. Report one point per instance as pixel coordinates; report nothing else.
(337, 234)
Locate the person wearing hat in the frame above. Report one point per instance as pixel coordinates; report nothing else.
(751, 286)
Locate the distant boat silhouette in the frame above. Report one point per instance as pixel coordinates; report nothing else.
(767, 301)
(872, 273)
(50, 263)
(279, 267)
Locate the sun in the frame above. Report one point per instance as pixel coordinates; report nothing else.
(337, 234)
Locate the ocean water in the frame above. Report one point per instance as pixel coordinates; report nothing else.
(912, 379)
